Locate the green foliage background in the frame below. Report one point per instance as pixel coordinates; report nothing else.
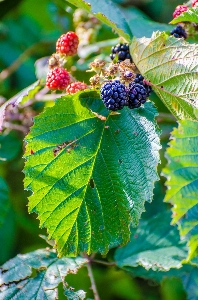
(24, 32)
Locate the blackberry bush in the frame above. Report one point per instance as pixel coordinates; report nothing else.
(91, 168)
(114, 95)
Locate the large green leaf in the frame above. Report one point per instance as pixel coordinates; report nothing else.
(91, 172)
(108, 13)
(182, 179)
(191, 15)
(171, 66)
(4, 200)
(17, 279)
(141, 25)
(155, 245)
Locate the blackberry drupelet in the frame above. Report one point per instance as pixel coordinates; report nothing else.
(114, 95)
(122, 50)
(140, 79)
(137, 95)
(179, 32)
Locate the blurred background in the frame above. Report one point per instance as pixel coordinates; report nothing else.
(28, 32)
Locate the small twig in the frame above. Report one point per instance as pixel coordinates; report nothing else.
(48, 97)
(166, 117)
(15, 127)
(18, 62)
(93, 284)
(105, 263)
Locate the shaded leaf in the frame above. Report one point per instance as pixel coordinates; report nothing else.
(10, 146)
(171, 66)
(182, 179)
(190, 281)
(15, 280)
(141, 25)
(191, 15)
(72, 295)
(155, 245)
(91, 172)
(4, 200)
(108, 13)
(188, 275)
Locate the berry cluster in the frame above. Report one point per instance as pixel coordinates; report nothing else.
(140, 79)
(122, 51)
(179, 10)
(67, 43)
(58, 77)
(116, 95)
(182, 8)
(74, 87)
(136, 95)
(179, 32)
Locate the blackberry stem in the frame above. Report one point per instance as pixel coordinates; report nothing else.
(93, 284)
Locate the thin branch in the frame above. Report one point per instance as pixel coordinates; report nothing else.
(166, 117)
(15, 127)
(105, 263)
(18, 62)
(93, 284)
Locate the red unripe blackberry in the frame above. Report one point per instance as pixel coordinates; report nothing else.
(74, 87)
(179, 10)
(57, 79)
(195, 3)
(67, 43)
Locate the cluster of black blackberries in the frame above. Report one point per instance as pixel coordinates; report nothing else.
(179, 32)
(115, 95)
(122, 51)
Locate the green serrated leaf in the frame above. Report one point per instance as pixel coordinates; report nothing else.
(4, 200)
(191, 15)
(182, 179)
(108, 13)
(91, 172)
(171, 66)
(16, 281)
(155, 245)
(72, 295)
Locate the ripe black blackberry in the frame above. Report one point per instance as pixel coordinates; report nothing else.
(122, 50)
(114, 95)
(179, 32)
(137, 95)
(140, 79)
